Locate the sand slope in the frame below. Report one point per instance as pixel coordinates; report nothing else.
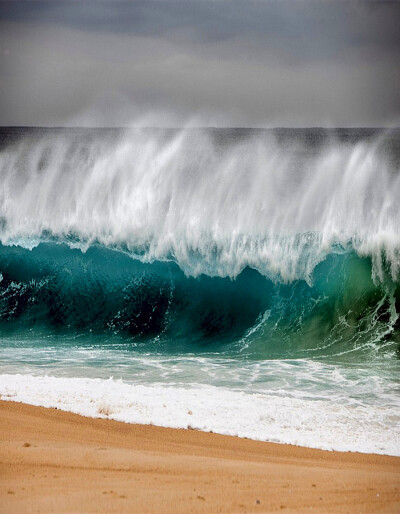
(52, 461)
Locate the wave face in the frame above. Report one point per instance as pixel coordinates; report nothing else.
(273, 243)
(155, 306)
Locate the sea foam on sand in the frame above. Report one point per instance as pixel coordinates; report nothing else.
(314, 423)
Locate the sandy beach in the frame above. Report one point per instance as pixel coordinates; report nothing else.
(54, 461)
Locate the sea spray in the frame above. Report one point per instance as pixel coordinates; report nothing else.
(213, 206)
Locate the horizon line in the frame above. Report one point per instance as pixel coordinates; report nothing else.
(200, 127)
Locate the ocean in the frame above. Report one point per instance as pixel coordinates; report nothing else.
(240, 281)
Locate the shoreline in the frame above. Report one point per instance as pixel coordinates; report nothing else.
(295, 421)
(55, 460)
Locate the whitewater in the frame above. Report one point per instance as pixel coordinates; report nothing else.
(240, 281)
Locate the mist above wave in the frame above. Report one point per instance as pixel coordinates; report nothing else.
(213, 205)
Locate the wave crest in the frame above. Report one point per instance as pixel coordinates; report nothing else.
(215, 205)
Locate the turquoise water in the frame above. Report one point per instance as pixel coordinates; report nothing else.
(104, 298)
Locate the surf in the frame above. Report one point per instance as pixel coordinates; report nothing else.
(247, 277)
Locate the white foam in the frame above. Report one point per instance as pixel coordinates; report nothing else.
(324, 424)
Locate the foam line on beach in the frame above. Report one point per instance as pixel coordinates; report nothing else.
(312, 423)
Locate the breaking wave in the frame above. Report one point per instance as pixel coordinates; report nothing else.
(257, 242)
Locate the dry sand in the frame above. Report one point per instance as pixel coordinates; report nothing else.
(53, 461)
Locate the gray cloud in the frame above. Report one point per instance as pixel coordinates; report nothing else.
(221, 62)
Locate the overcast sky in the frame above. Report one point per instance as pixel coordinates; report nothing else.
(202, 62)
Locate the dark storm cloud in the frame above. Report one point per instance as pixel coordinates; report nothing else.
(230, 62)
(312, 29)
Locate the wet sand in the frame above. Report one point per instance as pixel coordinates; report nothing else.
(54, 461)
